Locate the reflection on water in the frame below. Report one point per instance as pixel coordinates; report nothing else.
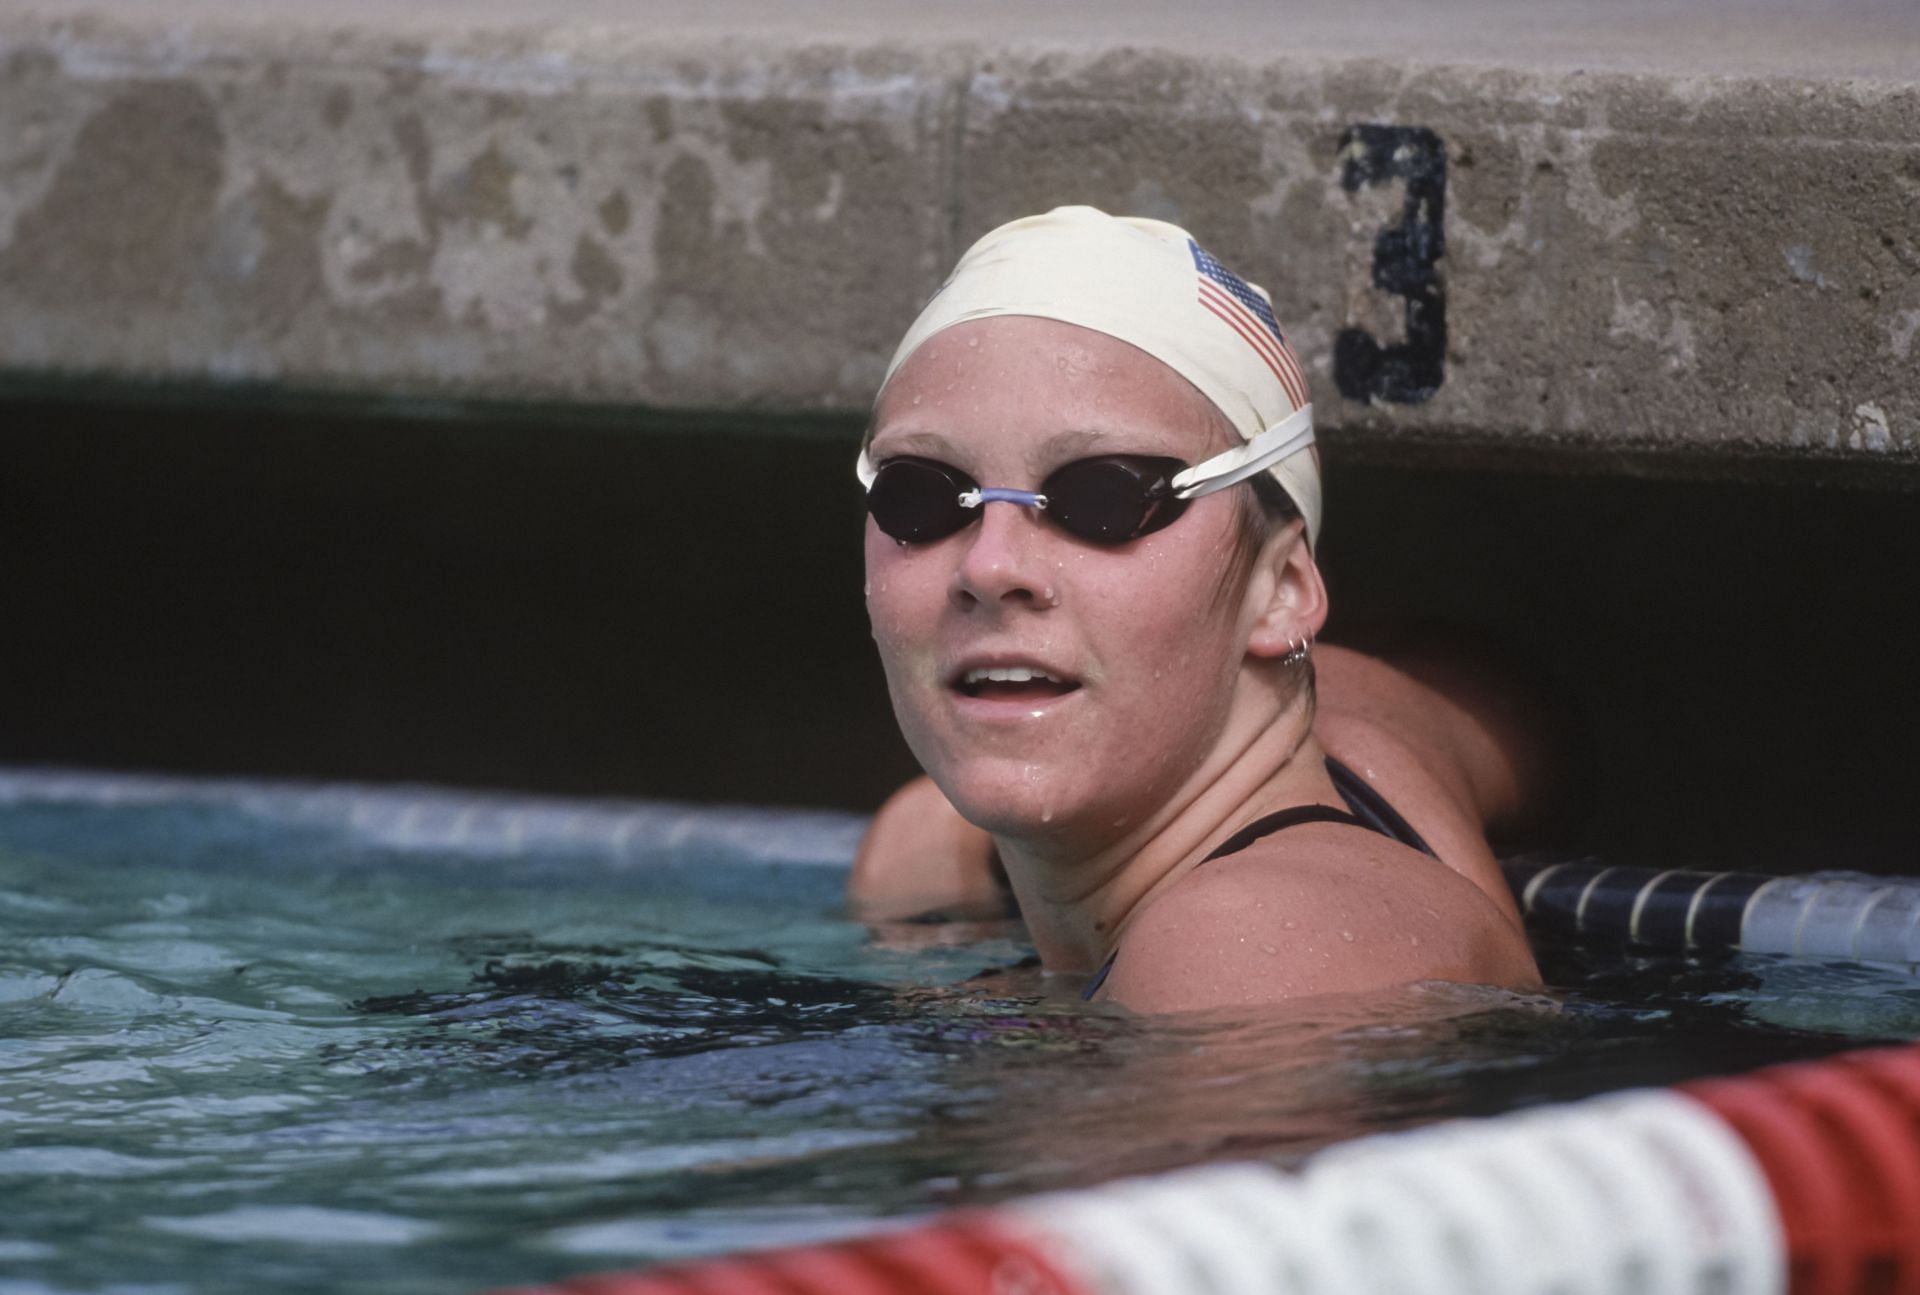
(446, 1076)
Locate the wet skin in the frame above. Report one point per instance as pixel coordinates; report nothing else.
(1147, 649)
(1160, 718)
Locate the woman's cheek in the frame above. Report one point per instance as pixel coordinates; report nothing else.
(908, 653)
(901, 635)
(885, 614)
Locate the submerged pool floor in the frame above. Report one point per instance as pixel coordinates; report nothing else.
(243, 1057)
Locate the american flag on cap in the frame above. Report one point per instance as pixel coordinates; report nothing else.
(1245, 311)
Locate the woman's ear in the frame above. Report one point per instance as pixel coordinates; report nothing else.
(1290, 599)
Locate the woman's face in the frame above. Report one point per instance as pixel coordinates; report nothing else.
(1140, 645)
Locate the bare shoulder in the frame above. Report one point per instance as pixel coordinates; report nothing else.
(1327, 909)
(1424, 753)
(1494, 728)
(1366, 706)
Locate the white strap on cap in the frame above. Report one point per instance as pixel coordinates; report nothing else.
(1285, 438)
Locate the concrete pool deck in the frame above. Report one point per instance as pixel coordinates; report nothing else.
(1653, 234)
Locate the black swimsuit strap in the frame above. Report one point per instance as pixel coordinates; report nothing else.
(1370, 811)
(1282, 819)
(1366, 808)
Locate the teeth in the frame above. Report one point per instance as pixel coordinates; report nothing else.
(1009, 674)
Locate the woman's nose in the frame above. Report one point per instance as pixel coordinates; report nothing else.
(1004, 559)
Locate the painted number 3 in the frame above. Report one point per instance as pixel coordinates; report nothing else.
(1406, 256)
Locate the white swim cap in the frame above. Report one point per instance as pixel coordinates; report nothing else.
(1149, 284)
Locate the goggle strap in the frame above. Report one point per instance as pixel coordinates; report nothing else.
(1284, 439)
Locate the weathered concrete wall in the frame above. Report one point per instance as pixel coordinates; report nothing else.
(1468, 252)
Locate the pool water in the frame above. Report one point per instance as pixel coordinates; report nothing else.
(245, 1052)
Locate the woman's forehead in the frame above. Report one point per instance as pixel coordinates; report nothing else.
(1043, 378)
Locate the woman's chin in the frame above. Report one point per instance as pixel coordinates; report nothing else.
(1026, 806)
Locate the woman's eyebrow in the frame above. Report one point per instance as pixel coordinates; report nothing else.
(1050, 451)
(929, 444)
(1080, 442)
(1068, 443)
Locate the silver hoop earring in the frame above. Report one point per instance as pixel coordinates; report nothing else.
(1297, 650)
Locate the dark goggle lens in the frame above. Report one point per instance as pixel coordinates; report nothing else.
(1107, 500)
(1113, 500)
(915, 500)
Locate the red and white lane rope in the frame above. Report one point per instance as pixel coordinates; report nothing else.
(1803, 1177)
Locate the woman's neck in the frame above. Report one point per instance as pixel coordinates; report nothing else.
(1078, 900)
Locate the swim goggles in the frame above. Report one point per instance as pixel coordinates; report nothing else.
(1109, 499)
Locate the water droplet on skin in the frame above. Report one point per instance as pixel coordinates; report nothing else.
(973, 343)
(1347, 936)
(1414, 940)
(1268, 949)
(1290, 924)
(1046, 816)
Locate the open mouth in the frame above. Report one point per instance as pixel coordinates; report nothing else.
(1013, 683)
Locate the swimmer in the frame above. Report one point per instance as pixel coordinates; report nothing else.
(1093, 512)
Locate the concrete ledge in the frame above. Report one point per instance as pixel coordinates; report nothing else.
(1475, 242)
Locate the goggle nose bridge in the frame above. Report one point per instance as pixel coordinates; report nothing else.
(982, 495)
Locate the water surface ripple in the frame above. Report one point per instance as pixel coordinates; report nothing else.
(270, 1065)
